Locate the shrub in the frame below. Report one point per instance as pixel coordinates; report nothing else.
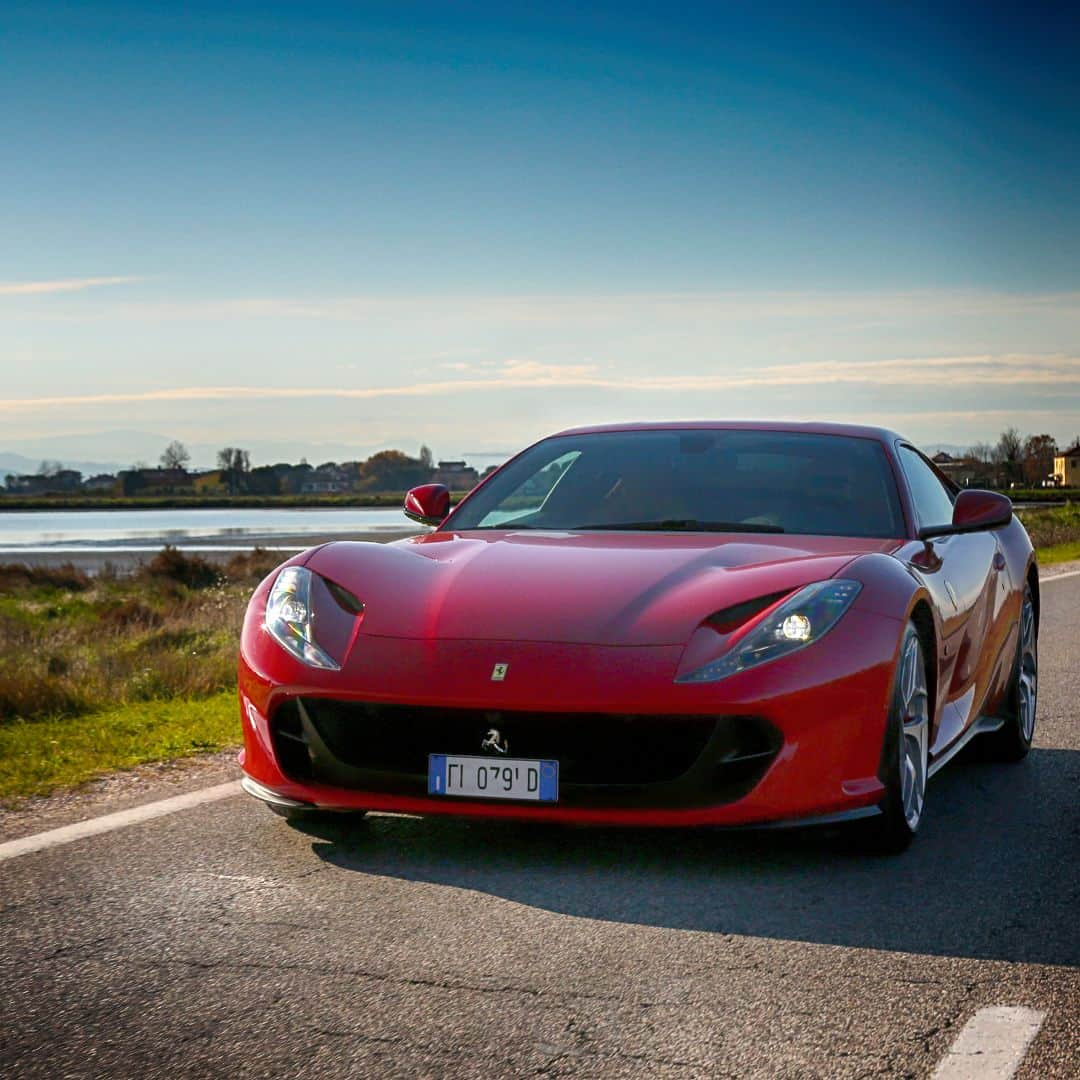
(250, 567)
(170, 564)
(15, 577)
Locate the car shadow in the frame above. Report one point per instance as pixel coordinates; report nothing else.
(994, 873)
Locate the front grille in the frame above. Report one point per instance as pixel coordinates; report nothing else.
(604, 758)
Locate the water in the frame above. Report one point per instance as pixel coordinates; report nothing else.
(142, 530)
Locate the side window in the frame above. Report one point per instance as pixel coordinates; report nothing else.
(933, 503)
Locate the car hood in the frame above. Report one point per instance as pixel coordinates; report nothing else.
(588, 588)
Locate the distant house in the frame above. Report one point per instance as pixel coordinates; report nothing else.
(209, 482)
(153, 481)
(102, 484)
(62, 482)
(456, 475)
(1067, 467)
(27, 484)
(327, 479)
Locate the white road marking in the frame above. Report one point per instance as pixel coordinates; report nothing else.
(1059, 577)
(11, 849)
(991, 1045)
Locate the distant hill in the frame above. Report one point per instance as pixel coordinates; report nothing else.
(20, 465)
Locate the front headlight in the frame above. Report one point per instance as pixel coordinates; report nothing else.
(289, 618)
(799, 621)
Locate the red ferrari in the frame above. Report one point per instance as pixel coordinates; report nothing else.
(654, 624)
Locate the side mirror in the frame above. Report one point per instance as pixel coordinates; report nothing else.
(973, 511)
(429, 504)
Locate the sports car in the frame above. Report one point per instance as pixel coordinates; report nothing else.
(682, 624)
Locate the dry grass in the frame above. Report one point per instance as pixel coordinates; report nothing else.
(72, 645)
(1053, 527)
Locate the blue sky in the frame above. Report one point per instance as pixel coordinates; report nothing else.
(470, 224)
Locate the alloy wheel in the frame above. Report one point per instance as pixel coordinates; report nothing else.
(1029, 670)
(915, 737)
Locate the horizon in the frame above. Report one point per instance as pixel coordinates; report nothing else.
(374, 225)
(202, 458)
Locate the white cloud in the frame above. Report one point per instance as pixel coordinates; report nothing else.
(1057, 374)
(66, 285)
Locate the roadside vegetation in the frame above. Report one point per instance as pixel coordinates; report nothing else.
(1054, 531)
(103, 672)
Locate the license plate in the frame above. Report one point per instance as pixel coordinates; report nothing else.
(493, 778)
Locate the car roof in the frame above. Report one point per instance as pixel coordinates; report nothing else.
(859, 431)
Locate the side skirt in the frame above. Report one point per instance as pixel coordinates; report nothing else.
(982, 726)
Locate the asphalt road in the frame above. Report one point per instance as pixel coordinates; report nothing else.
(221, 941)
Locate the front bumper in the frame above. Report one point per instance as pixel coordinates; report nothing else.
(816, 720)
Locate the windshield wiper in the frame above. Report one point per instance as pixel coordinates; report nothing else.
(685, 525)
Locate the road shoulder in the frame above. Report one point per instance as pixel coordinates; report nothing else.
(117, 791)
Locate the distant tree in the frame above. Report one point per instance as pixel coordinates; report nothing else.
(1007, 454)
(265, 480)
(1009, 445)
(391, 470)
(1038, 458)
(234, 463)
(49, 468)
(981, 451)
(427, 459)
(175, 456)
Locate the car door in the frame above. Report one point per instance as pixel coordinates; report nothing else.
(960, 571)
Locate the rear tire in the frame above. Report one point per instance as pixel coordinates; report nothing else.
(1012, 741)
(905, 753)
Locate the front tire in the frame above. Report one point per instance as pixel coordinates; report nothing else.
(905, 754)
(1012, 741)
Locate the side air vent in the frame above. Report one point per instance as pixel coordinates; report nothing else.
(731, 618)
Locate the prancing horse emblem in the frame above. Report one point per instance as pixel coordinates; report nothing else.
(498, 672)
(494, 742)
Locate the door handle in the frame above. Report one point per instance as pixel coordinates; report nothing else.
(999, 561)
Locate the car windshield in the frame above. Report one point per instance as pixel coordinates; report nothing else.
(693, 481)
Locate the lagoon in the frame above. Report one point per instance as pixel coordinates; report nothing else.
(57, 531)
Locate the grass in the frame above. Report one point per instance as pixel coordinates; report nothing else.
(1059, 553)
(102, 673)
(1055, 532)
(38, 756)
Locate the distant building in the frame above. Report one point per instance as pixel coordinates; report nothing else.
(960, 471)
(153, 481)
(327, 479)
(102, 484)
(27, 484)
(209, 482)
(1067, 467)
(62, 482)
(456, 475)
